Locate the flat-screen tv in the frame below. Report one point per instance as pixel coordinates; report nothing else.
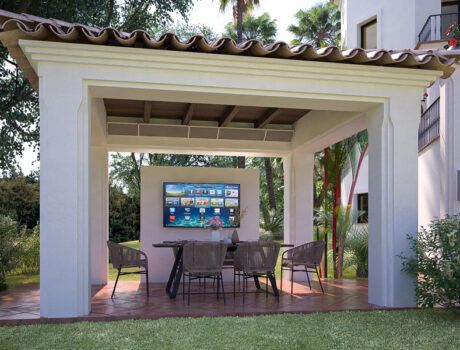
(192, 204)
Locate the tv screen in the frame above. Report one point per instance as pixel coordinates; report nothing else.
(192, 204)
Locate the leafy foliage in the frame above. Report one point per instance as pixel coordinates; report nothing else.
(29, 252)
(356, 245)
(436, 263)
(185, 30)
(318, 26)
(261, 28)
(19, 115)
(20, 199)
(9, 248)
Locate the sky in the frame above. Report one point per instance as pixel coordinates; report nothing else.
(207, 12)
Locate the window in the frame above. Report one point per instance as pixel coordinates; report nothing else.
(363, 208)
(369, 35)
(450, 6)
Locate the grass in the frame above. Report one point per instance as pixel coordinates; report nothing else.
(414, 329)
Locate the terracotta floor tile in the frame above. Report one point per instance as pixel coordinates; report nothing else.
(131, 301)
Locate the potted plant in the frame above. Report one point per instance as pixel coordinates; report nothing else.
(453, 37)
(215, 224)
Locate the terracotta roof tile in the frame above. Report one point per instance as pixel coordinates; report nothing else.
(37, 28)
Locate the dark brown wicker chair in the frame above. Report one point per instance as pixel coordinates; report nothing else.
(204, 260)
(308, 256)
(123, 257)
(254, 260)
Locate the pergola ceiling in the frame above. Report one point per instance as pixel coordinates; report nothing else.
(198, 120)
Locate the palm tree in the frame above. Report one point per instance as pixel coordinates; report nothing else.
(318, 26)
(240, 7)
(261, 28)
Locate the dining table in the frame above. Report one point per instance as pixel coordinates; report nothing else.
(175, 276)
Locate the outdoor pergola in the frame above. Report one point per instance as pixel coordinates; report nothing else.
(102, 90)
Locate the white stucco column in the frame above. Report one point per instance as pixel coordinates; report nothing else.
(64, 194)
(298, 197)
(99, 195)
(449, 131)
(393, 183)
(99, 215)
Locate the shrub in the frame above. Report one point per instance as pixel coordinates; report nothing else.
(436, 264)
(29, 254)
(356, 249)
(9, 247)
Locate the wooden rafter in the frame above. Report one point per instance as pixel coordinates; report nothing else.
(267, 118)
(232, 112)
(147, 111)
(189, 114)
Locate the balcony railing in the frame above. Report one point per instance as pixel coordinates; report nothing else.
(428, 130)
(436, 26)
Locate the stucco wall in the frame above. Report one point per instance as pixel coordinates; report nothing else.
(399, 22)
(429, 183)
(152, 230)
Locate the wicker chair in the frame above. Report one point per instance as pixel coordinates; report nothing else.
(254, 260)
(308, 256)
(204, 260)
(125, 257)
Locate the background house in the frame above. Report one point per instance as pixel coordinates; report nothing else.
(422, 25)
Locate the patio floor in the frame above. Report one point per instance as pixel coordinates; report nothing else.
(22, 304)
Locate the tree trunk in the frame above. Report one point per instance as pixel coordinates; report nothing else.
(335, 206)
(270, 185)
(242, 162)
(348, 213)
(239, 21)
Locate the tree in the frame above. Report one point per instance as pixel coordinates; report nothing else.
(20, 199)
(261, 28)
(240, 8)
(185, 30)
(334, 163)
(19, 118)
(318, 26)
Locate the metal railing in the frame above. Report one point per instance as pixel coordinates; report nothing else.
(428, 130)
(436, 26)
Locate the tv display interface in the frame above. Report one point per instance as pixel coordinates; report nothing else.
(192, 204)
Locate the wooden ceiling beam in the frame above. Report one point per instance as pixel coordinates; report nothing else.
(267, 118)
(189, 114)
(147, 111)
(231, 113)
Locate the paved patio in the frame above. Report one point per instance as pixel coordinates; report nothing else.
(22, 305)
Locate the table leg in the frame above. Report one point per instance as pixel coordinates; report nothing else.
(175, 276)
(256, 282)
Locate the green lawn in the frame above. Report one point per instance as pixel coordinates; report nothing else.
(415, 329)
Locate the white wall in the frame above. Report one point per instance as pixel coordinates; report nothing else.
(429, 184)
(152, 230)
(399, 21)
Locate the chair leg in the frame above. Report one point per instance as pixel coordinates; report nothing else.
(188, 297)
(234, 285)
(292, 280)
(308, 277)
(266, 286)
(147, 281)
(218, 286)
(244, 288)
(281, 282)
(116, 282)
(183, 286)
(319, 279)
(223, 290)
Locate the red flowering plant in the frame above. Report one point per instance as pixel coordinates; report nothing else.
(453, 35)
